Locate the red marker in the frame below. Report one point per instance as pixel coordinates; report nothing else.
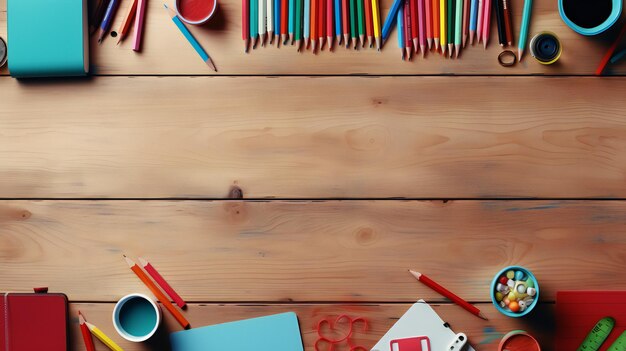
(162, 282)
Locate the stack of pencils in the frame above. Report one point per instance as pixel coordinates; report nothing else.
(311, 24)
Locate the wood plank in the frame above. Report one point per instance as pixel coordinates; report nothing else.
(166, 52)
(483, 335)
(303, 251)
(337, 138)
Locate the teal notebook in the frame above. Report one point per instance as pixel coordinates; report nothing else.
(279, 332)
(47, 38)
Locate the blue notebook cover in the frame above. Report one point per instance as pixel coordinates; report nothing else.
(279, 332)
(47, 38)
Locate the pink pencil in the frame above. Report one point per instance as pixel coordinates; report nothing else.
(487, 22)
(422, 24)
(162, 283)
(139, 20)
(479, 24)
(429, 24)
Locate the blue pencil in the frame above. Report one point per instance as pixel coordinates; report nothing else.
(205, 57)
(277, 20)
(397, 4)
(473, 20)
(292, 19)
(400, 29)
(338, 21)
(107, 20)
(307, 22)
(254, 22)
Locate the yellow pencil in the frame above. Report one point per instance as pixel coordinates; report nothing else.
(376, 20)
(443, 22)
(102, 337)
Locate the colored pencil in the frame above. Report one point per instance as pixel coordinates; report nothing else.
(479, 22)
(450, 34)
(607, 57)
(338, 26)
(400, 25)
(407, 20)
(298, 26)
(473, 21)
(314, 27)
(523, 34)
(361, 21)
(245, 23)
(500, 22)
(617, 57)
(292, 20)
(205, 57)
(321, 17)
(443, 25)
(508, 26)
(415, 29)
(330, 32)
(436, 28)
(86, 333)
(277, 19)
(307, 23)
(353, 23)
(428, 13)
(422, 23)
(345, 23)
(254, 18)
(126, 23)
(107, 20)
(448, 294)
(103, 337)
(162, 282)
(270, 19)
(262, 21)
(391, 17)
(376, 23)
(466, 10)
(487, 23)
(369, 23)
(139, 22)
(284, 21)
(96, 16)
(458, 28)
(157, 293)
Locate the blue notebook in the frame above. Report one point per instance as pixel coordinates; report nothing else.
(279, 332)
(47, 38)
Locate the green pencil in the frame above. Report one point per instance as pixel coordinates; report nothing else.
(359, 6)
(353, 22)
(451, 15)
(298, 24)
(523, 33)
(458, 32)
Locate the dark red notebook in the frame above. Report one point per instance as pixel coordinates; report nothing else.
(30, 322)
(577, 312)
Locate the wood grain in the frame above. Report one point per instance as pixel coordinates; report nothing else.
(165, 52)
(483, 335)
(326, 137)
(310, 251)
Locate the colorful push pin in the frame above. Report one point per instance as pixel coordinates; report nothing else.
(511, 283)
(530, 283)
(511, 296)
(522, 305)
(505, 302)
(503, 289)
(503, 280)
(531, 292)
(510, 274)
(514, 306)
(499, 296)
(519, 275)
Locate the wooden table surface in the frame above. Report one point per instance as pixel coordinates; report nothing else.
(311, 183)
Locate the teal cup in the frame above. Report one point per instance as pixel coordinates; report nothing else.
(136, 317)
(590, 17)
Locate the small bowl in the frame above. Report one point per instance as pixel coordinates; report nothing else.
(117, 323)
(494, 283)
(206, 16)
(608, 23)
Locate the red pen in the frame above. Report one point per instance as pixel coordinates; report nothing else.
(86, 333)
(162, 282)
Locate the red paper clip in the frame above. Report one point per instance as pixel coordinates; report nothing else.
(346, 338)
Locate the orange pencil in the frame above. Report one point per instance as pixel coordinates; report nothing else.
(157, 293)
(128, 20)
(314, 24)
(435, 23)
(369, 23)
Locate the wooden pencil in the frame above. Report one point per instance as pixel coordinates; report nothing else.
(458, 28)
(338, 26)
(376, 24)
(473, 21)
(330, 32)
(428, 14)
(107, 20)
(435, 14)
(345, 22)
(254, 26)
(298, 26)
(400, 29)
(321, 22)
(157, 293)
(277, 20)
(443, 25)
(500, 23)
(466, 11)
(139, 24)
(479, 21)
(353, 23)
(407, 30)
(392, 18)
(361, 21)
(307, 23)
(284, 21)
(97, 15)
(450, 35)
(262, 7)
(245, 24)
(190, 39)
(508, 25)
(413, 8)
(103, 337)
(487, 23)
(158, 278)
(291, 20)
(369, 23)
(270, 20)
(607, 56)
(122, 31)
(421, 13)
(86, 333)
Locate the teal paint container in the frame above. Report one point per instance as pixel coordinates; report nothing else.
(590, 17)
(136, 317)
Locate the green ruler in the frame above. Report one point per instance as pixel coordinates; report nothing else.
(598, 334)
(619, 344)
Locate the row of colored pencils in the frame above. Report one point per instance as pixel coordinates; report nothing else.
(104, 13)
(311, 23)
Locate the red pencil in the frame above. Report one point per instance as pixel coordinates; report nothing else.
(314, 27)
(369, 23)
(86, 333)
(445, 292)
(162, 282)
(245, 23)
(284, 21)
(407, 30)
(321, 18)
(465, 28)
(414, 27)
(607, 57)
(345, 21)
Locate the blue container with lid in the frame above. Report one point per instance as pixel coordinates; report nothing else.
(613, 15)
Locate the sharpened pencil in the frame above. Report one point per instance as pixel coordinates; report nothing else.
(330, 19)
(353, 23)
(443, 25)
(400, 29)
(392, 17)
(428, 14)
(284, 21)
(361, 21)
(298, 26)
(307, 23)
(158, 278)
(421, 13)
(458, 28)
(262, 21)
(203, 54)
(466, 10)
(369, 24)
(473, 21)
(345, 21)
(107, 20)
(338, 26)
(376, 24)
(508, 27)
(479, 20)
(500, 23)
(270, 19)
(436, 28)
(103, 337)
(127, 22)
(523, 34)
(254, 26)
(277, 20)
(245, 23)
(415, 29)
(408, 42)
(451, 16)
(487, 23)
(84, 329)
